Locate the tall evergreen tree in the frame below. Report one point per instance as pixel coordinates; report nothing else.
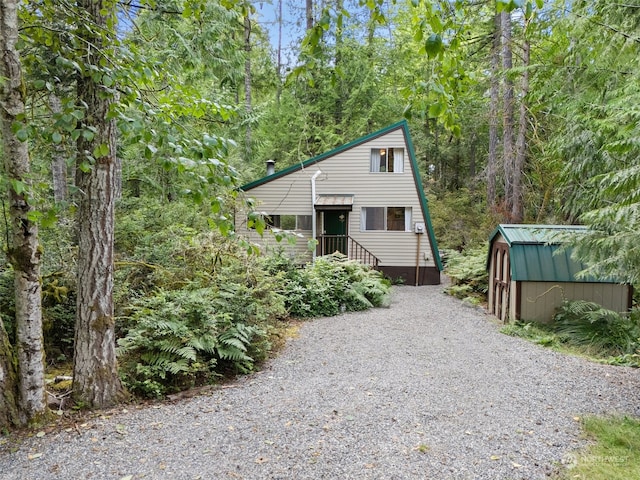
(95, 375)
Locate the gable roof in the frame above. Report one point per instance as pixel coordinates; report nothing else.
(401, 125)
(537, 254)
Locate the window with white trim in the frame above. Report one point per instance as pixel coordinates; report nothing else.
(389, 160)
(396, 219)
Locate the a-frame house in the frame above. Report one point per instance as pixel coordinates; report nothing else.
(364, 199)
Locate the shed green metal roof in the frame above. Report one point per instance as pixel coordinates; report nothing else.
(536, 253)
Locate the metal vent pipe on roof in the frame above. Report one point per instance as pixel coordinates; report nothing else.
(271, 167)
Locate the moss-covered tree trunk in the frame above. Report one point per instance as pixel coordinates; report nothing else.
(23, 248)
(95, 375)
(8, 383)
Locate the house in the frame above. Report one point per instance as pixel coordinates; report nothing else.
(530, 275)
(364, 199)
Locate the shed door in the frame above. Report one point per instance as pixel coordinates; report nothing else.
(500, 282)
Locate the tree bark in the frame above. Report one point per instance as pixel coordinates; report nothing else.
(59, 164)
(508, 136)
(247, 83)
(309, 13)
(340, 95)
(517, 210)
(8, 384)
(95, 375)
(24, 248)
(494, 103)
(279, 66)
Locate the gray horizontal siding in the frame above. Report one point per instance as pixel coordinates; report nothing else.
(348, 173)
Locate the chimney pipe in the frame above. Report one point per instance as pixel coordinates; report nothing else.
(271, 167)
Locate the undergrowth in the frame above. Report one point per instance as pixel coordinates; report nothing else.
(468, 274)
(587, 329)
(193, 307)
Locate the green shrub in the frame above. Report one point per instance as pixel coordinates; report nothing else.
(329, 286)
(180, 339)
(604, 332)
(468, 273)
(460, 218)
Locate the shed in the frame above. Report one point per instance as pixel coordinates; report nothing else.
(530, 275)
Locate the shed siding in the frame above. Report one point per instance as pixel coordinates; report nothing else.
(347, 172)
(540, 299)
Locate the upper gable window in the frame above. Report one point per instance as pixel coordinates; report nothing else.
(389, 160)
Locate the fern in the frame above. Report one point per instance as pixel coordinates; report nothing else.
(234, 343)
(606, 332)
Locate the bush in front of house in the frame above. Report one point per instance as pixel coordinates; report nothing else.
(331, 285)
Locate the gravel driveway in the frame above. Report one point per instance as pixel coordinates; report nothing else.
(426, 389)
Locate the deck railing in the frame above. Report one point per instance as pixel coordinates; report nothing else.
(328, 244)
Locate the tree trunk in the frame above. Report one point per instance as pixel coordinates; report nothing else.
(340, 95)
(508, 153)
(95, 375)
(247, 83)
(309, 14)
(279, 88)
(494, 103)
(517, 210)
(24, 248)
(473, 146)
(59, 163)
(8, 384)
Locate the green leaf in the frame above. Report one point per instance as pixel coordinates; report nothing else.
(435, 109)
(149, 151)
(22, 134)
(34, 215)
(433, 45)
(56, 138)
(502, 5)
(49, 219)
(18, 186)
(88, 135)
(101, 150)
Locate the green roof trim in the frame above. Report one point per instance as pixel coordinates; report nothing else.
(536, 253)
(423, 199)
(414, 168)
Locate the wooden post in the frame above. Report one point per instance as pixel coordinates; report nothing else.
(418, 260)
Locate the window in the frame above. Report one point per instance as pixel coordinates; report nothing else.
(385, 218)
(389, 160)
(289, 222)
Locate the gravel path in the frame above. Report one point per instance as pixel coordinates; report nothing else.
(427, 389)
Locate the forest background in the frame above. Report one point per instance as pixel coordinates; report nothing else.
(128, 126)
